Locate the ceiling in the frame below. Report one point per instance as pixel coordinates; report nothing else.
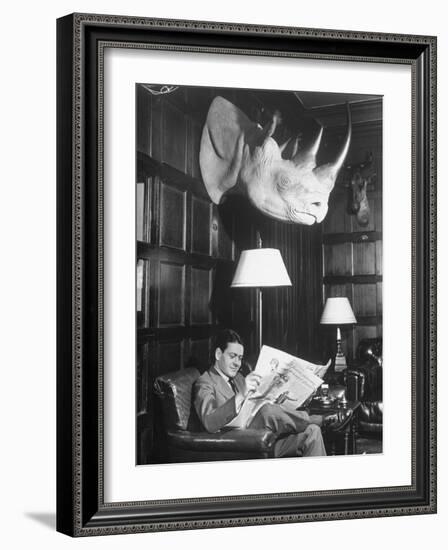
(312, 100)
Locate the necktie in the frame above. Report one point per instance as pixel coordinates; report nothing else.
(233, 385)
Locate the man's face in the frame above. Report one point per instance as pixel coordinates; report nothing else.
(229, 360)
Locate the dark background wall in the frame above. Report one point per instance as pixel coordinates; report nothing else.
(187, 248)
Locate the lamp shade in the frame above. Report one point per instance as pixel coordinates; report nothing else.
(337, 311)
(261, 267)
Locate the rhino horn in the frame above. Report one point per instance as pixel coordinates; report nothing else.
(327, 173)
(284, 145)
(307, 157)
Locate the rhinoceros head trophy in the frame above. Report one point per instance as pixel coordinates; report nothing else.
(238, 155)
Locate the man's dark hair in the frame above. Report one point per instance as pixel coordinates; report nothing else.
(226, 336)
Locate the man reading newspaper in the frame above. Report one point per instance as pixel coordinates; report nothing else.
(266, 398)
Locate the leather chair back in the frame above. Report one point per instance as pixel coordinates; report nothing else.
(371, 416)
(175, 391)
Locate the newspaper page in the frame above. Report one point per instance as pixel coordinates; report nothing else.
(286, 380)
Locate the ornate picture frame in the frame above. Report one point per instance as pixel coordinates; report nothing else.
(82, 509)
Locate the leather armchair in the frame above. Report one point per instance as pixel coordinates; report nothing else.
(186, 440)
(364, 381)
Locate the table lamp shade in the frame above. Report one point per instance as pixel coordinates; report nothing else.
(261, 267)
(337, 311)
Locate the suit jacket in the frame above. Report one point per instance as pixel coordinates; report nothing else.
(214, 399)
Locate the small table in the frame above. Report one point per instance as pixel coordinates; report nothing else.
(345, 430)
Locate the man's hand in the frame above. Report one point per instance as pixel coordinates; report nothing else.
(252, 381)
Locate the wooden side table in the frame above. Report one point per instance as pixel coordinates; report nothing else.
(344, 431)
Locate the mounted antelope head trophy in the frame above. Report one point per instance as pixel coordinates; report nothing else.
(360, 176)
(238, 155)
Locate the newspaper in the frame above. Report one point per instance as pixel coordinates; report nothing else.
(285, 380)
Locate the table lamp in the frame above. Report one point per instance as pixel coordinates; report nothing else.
(260, 268)
(338, 311)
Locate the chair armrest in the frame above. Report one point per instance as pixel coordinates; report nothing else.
(355, 380)
(250, 441)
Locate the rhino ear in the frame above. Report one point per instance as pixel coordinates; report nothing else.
(223, 137)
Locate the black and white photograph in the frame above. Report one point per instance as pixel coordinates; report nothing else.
(259, 274)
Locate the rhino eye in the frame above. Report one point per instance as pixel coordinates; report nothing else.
(283, 181)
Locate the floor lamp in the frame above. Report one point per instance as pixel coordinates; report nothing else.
(260, 268)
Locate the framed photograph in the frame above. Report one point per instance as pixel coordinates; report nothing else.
(246, 275)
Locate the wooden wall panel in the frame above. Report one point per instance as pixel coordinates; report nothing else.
(194, 144)
(378, 213)
(379, 257)
(142, 292)
(364, 255)
(140, 211)
(337, 220)
(379, 298)
(143, 379)
(157, 127)
(200, 294)
(143, 121)
(174, 137)
(200, 353)
(172, 217)
(364, 302)
(144, 190)
(143, 404)
(337, 259)
(223, 234)
(365, 331)
(201, 226)
(170, 356)
(337, 290)
(171, 290)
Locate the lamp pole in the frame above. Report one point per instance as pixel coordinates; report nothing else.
(259, 302)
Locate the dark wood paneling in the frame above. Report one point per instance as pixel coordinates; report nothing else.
(171, 290)
(337, 259)
(364, 331)
(172, 216)
(174, 137)
(157, 127)
(337, 290)
(170, 357)
(143, 405)
(379, 298)
(337, 220)
(144, 190)
(364, 255)
(143, 121)
(379, 257)
(291, 314)
(200, 294)
(140, 211)
(142, 292)
(201, 223)
(194, 143)
(222, 233)
(200, 353)
(365, 300)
